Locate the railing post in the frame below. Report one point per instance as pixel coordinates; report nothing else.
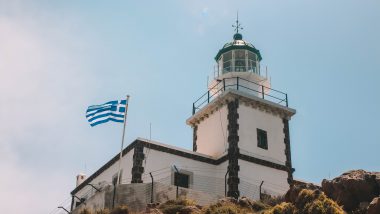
(151, 196)
(225, 182)
(176, 181)
(237, 83)
(262, 91)
(114, 195)
(261, 198)
(286, 99)
(224, 84)
(208, 96)
(193, 108)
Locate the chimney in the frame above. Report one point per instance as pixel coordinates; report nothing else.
(80, 178)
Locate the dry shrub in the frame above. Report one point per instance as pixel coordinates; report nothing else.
(102, 211)
(120, 210)
(226, 207)
(85, 211)
(177, 206)
(258, 206)
(283, 208)
(316, 202)
(272, 200)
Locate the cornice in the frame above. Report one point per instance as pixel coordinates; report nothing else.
(245, 99)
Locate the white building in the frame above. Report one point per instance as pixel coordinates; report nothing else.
(240, 141)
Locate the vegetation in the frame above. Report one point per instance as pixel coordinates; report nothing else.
(177, 206)
(307, 201)
(283, 208)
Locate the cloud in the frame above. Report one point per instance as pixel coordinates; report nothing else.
(42, 83)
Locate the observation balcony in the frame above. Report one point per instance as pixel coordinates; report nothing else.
(243, 85)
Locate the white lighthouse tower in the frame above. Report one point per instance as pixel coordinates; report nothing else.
(243, 118)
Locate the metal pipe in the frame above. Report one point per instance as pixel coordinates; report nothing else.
(60, 207)
(151, 195)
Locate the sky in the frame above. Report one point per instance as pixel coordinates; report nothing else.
(59, 57)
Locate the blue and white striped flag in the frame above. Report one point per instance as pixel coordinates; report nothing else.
(110, 111)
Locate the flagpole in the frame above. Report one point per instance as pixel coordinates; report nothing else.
(122, 140)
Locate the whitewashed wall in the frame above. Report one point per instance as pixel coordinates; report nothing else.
(249, 120)
(204, 177)
(212, 134)
(275, 181)
(106, 176)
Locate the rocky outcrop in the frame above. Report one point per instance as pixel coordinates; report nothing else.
(374, 206)
(352, 188)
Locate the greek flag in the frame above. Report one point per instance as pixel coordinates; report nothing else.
(110, 111)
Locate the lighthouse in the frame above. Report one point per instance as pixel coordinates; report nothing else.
(243, 117)
(241, 145)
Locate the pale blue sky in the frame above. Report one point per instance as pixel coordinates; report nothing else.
(56, 58)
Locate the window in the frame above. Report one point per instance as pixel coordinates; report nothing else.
(239, 60)
(262, 139)
(252, 62)
(181, 180)
(227, 58)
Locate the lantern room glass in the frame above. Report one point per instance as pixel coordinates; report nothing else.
(238, 61)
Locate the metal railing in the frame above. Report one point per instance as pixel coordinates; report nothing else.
(240, 84)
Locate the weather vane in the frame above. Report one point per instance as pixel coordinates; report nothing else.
(237, 26)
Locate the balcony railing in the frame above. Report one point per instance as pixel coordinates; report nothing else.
(244, 85)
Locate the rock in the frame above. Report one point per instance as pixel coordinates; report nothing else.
(352, 188)
(227, 200)
(292, 194)
(374, 206)
(245, 202)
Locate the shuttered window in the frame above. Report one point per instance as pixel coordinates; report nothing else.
(262, 139)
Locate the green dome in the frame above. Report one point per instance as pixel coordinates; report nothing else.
(238, 43)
